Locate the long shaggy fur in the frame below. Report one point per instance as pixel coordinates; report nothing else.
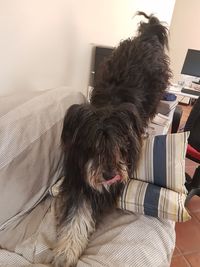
(102, 140)
(137, 72)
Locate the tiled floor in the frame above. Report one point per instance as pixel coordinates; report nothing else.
(187, 251)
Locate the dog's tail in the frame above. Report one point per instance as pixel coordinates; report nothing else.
(153, 28)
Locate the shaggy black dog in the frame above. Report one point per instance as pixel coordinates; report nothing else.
(102, 140)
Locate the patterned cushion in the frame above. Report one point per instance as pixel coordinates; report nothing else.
(149, 199)
(163, 161)
(158, 186)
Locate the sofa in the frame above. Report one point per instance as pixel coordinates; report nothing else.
(31, 164)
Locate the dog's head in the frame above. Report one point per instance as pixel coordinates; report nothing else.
(101, 145)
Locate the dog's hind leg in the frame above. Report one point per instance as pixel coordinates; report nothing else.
(74, 236)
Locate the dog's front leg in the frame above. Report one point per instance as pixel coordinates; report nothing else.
(74, 236)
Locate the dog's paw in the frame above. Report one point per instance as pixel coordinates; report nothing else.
(68, 258)
(60, 261)
(74, 237)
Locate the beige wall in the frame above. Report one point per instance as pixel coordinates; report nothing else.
(47, 43)
(184, 33)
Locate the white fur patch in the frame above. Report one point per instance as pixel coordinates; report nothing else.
(74, 238)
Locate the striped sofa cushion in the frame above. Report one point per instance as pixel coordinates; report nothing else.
(152, 200)
(158, 186)
(163, 161)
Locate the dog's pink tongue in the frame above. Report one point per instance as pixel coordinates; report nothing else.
(113, 180)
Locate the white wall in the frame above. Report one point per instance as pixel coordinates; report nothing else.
(47, 43)
(184, 33)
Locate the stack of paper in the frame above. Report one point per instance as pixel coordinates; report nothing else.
(160, 119)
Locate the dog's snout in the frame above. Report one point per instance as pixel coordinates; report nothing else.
(108, 175)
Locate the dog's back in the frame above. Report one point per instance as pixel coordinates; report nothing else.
(137, 72)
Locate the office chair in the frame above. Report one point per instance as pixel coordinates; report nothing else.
(193, 150)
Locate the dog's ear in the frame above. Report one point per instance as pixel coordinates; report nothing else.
(70, 124)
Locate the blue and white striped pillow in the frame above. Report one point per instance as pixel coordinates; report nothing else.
(163, 161)
(152, 200)
(158, 186)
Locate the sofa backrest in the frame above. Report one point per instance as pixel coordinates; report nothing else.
(30, 152)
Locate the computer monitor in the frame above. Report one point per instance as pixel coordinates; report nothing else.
(99, 54)
(191, 64)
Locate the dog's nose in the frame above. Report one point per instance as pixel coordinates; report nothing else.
(108, 175)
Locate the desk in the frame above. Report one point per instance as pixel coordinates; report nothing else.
(174, 89)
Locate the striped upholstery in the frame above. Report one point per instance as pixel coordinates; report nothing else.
(149, 199)
(163, 161)
(30, 154)
(158, 186)
(121, 239)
